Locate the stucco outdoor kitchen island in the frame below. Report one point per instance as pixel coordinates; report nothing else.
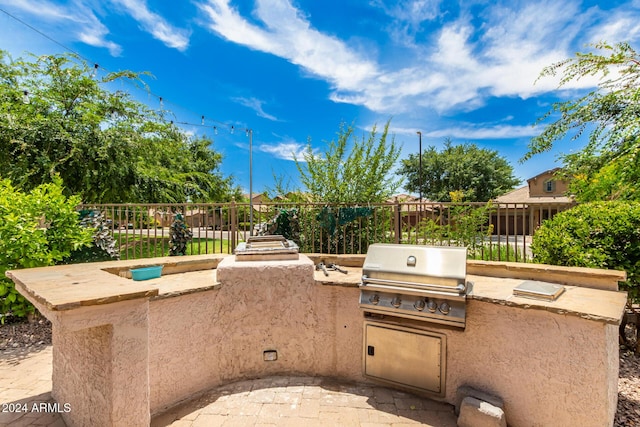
(124, 350)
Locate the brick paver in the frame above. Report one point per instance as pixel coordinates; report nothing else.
(25, 382)
(25, 390)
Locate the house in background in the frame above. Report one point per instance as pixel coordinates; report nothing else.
(209, 217)
(258, 198)
(411, 211)
(522, 210)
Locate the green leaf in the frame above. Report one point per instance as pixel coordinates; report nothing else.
(606, 119)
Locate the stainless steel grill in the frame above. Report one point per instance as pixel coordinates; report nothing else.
(426, 285)
(417, 282)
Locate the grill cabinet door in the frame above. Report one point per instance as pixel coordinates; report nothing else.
(404, 356)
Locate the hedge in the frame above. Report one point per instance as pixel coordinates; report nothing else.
(599, 235)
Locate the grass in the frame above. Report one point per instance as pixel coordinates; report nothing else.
(497, 252)
(134, 246)
(484, 252)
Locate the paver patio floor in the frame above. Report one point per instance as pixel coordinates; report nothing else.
(25, 382)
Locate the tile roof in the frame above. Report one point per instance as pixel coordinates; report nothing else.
(521, 195)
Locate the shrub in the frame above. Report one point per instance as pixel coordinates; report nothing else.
(599, 235)
(36, 229)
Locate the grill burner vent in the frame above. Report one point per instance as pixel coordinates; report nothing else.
(417, 282)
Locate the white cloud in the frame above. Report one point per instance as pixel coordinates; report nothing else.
(413, 12)
(156, 25)
(43, 9)
(256, 105)
(457, 68)
(408, 17)
(288, 35)
(286, 150)
(619, 26)
(75, 19)
(472, 131)
(489, 132)
(96, 36)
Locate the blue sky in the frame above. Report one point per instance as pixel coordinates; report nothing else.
(292, 71)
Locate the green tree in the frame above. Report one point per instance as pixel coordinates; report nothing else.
(608, 167)
(478, 173)
(359, 175)
(351, 171)
(58, 118)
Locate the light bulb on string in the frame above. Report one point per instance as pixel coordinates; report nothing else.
(114, 116)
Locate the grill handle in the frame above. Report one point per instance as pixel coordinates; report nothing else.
(394, 286)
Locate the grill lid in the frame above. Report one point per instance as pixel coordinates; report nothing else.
(416, 282)
(442, 268)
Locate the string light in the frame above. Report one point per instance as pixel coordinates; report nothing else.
(249, 132)
(26, 98)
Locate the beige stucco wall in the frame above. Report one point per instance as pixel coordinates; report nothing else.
(536, 186)
(550, 369)
(78, 356)
(100, 364)
(117, 362)
(202, 340)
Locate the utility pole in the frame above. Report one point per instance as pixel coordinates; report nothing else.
(250, 135)
(420, 167)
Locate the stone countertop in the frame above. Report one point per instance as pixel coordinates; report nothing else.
(173, 285)
(66, 287)
(595, 304)
(335, 278)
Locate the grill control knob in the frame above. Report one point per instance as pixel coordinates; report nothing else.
(419, 305)
(432, 306)
(444, 308)
(374, 299)
(396, 302)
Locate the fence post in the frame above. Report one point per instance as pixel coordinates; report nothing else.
(233, 219)
(398, 226)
